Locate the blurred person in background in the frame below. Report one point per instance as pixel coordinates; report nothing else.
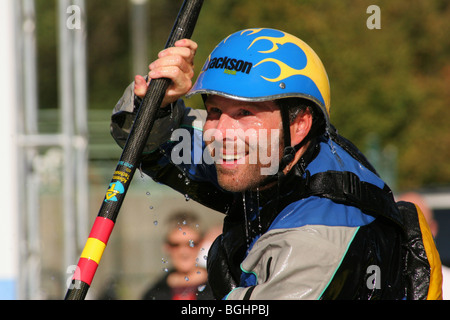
(186, 280)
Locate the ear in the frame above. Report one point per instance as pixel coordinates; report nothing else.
(301, 127)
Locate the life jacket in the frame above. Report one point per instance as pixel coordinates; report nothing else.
(420, 268)
(418, 260)
(422, 263)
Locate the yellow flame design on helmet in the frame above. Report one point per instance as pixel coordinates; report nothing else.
(287, 38)
(252, 31)
(313, 70)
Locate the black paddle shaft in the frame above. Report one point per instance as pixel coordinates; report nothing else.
(129, 160)
(146, 115)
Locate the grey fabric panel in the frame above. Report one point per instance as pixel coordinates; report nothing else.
(303, 262)
(126, 102)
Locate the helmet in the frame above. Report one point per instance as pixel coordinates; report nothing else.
(262, 65)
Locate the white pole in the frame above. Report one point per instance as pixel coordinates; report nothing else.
(67, 116)
(9, 245)
(81, 125)
(28, 82)
(139, 21)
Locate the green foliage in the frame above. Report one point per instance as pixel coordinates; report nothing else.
(391, 82)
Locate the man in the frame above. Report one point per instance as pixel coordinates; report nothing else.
(186, 280)
(307, 217)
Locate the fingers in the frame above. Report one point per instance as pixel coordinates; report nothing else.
(181, 56)
(140, 86)
(169, 66)
(175, 63)
(184, 44)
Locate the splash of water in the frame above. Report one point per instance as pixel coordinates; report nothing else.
(247, 236)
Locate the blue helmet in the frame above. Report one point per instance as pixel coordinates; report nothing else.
(264, 64)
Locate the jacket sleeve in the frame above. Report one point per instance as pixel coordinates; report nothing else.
(288, 264)
(124, 114)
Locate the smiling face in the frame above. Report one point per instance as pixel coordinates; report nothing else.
(244, 139)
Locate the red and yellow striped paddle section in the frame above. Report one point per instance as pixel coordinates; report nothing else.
(93, 251)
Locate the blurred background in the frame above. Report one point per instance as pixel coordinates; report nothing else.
(66, 63)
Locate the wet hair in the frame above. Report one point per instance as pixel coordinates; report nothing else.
(295, 106)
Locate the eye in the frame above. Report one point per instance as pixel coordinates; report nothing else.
(213, 112)
(245, 113)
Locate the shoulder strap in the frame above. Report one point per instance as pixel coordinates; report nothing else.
(346, 187)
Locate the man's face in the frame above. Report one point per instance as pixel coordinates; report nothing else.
(244, 139)
(182, 245)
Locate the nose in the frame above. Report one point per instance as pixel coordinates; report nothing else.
(221, 130)
(225, 125)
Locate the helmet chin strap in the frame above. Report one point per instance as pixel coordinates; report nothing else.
(289, 151)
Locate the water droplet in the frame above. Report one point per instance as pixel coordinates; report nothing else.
(155, 222)
(201, 288)
(147, 193)
(186, 197)
(180, 176)
(184, 222)
(246, 220)
(205, 257)
(186, 278)
(151, 207)
(191, 243)
(166, 270)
